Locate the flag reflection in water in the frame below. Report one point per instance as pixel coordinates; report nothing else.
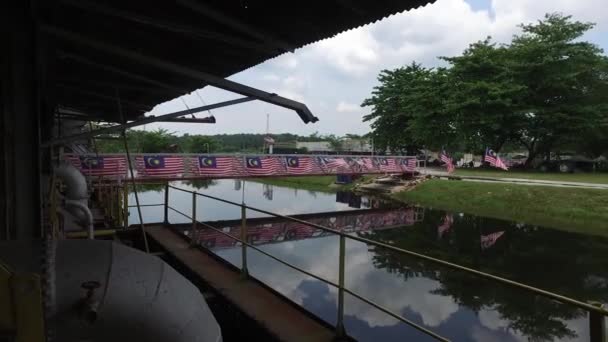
(273, 232)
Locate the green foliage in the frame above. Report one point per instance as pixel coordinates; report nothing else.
(163, 141)
(544, 90)
(580, 210)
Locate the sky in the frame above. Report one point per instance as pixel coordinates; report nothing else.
(333, 76)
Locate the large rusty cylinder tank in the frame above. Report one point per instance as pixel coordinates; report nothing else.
(105, 291)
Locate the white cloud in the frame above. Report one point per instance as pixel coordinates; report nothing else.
(271, 77)
(344, 67)
(352, 52)
(286, 61)
(345, 107)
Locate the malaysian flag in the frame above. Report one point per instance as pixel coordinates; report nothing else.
(159, 166)
(263, 166)
(107, 166)
(356, 164)
(489, 240)
(387, 164)
(301, 165)
(448, 221)
(492, 158)
(331, 164)
(214, 166)
(408, 164)
(448, 161)
(369, 164)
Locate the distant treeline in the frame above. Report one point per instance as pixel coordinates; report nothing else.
(163, 141)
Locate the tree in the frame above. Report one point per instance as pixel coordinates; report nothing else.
(403, 96)
(334, 142)
(198, 144)
(483, 99)
(565, 80)
(547, 89)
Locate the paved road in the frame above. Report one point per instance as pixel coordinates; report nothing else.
(521, 181)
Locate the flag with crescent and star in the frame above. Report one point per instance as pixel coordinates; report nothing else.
(387, 164)
(333, 164)
(263, 166)
(159, 166)
(301, 165)
(408, 164)
(106, 165)
(222, 166)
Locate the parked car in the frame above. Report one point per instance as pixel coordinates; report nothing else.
(568, 163)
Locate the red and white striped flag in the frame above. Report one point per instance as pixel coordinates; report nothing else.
(369, 165)
(331, 164)
(408, 164)
(263, 166)
(489, 240)
(387, 165)
(448, 161)
(448, 221)
(159, 166)
(301, 165)
(215, 166)
(492, 158)
(107, 165)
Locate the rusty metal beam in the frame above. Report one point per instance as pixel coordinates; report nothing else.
(184, 71)
(209, 120)
(144, 121)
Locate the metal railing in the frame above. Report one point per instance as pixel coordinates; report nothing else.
(597, 313)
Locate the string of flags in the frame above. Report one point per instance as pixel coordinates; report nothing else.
(153, 166)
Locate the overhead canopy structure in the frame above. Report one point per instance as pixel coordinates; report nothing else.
(114, 60)
(91, 42)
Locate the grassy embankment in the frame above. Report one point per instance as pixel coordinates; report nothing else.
(601, 178)
(580, 210)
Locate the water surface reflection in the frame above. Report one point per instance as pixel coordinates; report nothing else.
(451, 303)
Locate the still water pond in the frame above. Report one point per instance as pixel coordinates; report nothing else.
(451, 303)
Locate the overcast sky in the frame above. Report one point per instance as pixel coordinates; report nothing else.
(332, 77)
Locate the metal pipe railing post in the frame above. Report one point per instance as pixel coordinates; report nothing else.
(244, 270)
(194, 235)
(340, 331)
(166, 220)
(111, 204)
(597, 325)
(125, 202)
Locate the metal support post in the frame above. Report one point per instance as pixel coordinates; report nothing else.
(244, 270)
(597, 325)
(166, 220)
(340, 331)
(111, 204)
(194, 234)
(125, 203)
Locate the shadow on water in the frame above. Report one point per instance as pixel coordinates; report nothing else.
(451, 303)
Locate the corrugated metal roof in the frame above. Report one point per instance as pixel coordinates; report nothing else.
(220, 37)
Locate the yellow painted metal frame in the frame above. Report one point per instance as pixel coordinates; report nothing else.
(21, 312)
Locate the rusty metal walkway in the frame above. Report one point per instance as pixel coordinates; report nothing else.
(281, 318)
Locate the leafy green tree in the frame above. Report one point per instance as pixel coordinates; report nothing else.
(403, 96)
(565, 80)
(484, 102)
(334, 142)
(198, 144)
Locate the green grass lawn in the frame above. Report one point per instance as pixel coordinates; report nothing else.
(601, 178)
(580, 210)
